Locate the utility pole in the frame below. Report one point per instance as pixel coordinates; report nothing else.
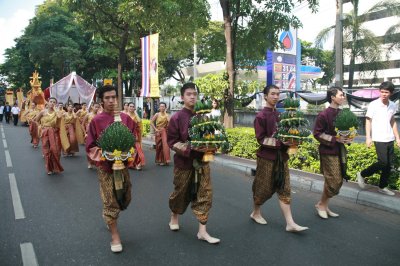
(194, 57)
(339, 44)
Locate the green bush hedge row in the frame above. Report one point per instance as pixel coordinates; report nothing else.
(307, 158)
(146, 127)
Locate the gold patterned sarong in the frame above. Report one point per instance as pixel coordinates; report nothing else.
(180, 198)
(111, 208)
(330, 168)
(263, 184)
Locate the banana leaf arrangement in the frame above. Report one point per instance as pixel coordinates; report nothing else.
(116, 142)
(346, 123)
(292, 125)
(207, 132)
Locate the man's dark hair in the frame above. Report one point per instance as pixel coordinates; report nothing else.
(53, 99)
(332, 91)
(84, 104)
(163, 103)
(188, 85)
(104, 89)
(387, 85)
(268, 88)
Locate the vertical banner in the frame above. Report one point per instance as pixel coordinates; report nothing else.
(10, 97)
(20, 98)
(150, 85)
(154, 86)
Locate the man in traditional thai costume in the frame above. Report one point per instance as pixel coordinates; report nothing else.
(111, 206)
(139, 159)
(159, 123)
(87, 120)
(70, 123)
(30, 115)
(329, 150)
(272, 172)
(187, 162)
(51, 143)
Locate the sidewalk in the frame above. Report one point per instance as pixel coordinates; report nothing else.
(315, 182)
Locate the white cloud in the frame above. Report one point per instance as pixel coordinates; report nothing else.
(12, 27)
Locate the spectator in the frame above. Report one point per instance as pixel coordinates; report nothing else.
(7, 112)
(15, 112)
(147, 108)
(1, 112)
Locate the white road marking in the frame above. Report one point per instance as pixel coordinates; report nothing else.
(16, 200)
(28, 255)
(8, 158)
(2, 135)
(5, 143)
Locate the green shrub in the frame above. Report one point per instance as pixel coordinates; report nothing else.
(306, 158)
(243, 141)
(146, 127)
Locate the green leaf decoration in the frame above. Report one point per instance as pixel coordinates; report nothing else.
(116, 136)
(291, 126)
(346, 119)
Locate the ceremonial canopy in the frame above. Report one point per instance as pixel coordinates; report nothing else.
(73, 88)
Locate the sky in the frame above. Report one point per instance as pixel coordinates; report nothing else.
(15, 16)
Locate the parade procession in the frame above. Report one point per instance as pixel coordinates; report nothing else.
(111, 129)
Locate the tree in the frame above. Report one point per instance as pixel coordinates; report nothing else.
(251, 27)
(50, 41)
(121, 23)
(360, 42)
(322, 59)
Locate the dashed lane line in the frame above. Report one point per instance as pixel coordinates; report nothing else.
(27, 251)
(16, 199)
(28, 254)
(8, 158)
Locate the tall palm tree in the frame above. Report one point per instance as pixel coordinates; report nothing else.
(361, 43)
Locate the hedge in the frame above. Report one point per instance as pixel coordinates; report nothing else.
(307, 158)
(146, 127)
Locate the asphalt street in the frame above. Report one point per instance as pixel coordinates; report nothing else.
(56, 220)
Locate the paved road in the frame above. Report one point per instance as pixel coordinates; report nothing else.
(59, 222)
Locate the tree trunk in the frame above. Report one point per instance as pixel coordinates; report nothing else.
(230, 67)
(351, 72)
(122, 62)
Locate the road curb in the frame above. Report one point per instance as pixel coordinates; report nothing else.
(315, 183)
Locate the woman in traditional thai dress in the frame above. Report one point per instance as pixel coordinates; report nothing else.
(70, 123)
(30, 116)
(159, 122)
(139, 159)
(87, 120)
(126, 108)
(51, 143)
(81, 114)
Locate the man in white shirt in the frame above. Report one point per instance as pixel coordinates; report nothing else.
(15, 113)
(380, 120)
(1, 112)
